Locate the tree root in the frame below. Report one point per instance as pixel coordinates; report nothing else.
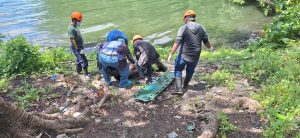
(210, 129)
(22, 124)
(49, 116)
(72, 131)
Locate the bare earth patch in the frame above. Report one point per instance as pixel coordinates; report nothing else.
(116, 114)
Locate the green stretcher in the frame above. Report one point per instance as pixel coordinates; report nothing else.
(154, 88)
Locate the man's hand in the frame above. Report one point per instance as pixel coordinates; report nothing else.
(169, 58)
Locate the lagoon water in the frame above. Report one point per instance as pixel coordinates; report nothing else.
(45, 22)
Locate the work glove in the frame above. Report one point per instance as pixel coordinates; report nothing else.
(82, 51)
(169, 58)
(211, 49)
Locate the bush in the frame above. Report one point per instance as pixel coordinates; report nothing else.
(19, 57)
(52, 59)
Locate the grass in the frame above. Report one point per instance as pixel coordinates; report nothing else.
(220, 78)
(225, 126)
(4, 83)
(29, 94)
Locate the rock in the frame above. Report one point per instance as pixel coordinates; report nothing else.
(141, 110)
(211, 127)
(78, 115)
(98, 120)
(250, 104)
(52, 109)
(116, 120)
(62, 136)
(178, 117)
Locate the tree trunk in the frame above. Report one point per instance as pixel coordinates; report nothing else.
(14, 122)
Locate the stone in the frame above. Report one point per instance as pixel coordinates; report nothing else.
(78, 115)
(62, 136)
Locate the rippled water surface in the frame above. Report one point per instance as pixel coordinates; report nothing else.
(45, 22)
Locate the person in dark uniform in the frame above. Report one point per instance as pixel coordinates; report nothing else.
(77, 44)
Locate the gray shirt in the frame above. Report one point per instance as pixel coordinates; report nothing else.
(190, 37)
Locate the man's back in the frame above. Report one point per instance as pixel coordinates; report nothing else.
(190, 37)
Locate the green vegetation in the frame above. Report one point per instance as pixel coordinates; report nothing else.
(272, 63)
(220, 77)
(4, 83)
(225, 125)
(19, 57)
(26, 95)
(275, 66)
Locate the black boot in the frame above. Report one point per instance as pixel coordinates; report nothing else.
(78, 69)
(178, 89)
(149, 78)
(185, 85)
(85, 71)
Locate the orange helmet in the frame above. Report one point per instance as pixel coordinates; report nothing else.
(135, 37)
(189, 13)
(76, 15)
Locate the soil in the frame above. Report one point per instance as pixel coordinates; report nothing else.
(122, 116)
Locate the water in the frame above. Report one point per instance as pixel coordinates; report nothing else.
(45, 22)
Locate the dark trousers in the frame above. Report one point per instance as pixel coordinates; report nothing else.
(81, 60)
(180, 64)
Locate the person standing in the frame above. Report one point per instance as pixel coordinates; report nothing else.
(189, 39)
(77, 44)
(146, 55)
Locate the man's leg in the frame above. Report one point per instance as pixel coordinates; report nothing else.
(99, 64)
(78, 65)
(179, 66)
(161, 66)
(124, 72)
(149, 73)
(84, 63)
(140, 71)
(105, 74)
(190, 69)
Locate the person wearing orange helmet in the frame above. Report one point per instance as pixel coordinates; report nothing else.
(146, 55)
(189, 39)
(77, 44)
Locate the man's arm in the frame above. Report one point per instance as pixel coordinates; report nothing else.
(206, 41)
(124, 50)
(74, 40)
(177, 42)
(129, 57)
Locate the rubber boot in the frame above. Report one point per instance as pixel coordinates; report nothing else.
(178, 89)
(185, 85)
(86, 74)
(128, 84)
(149, 78)
(78, 69)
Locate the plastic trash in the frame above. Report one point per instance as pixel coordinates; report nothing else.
(63, 109)
(172, 135)
(54, 77)
(191, 126)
